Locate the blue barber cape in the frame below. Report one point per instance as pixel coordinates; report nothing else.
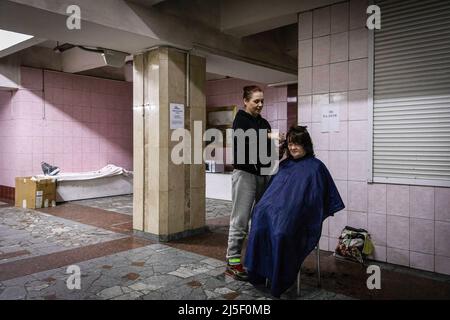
(287, 221)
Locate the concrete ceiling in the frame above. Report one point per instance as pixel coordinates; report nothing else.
(214, 76)
(146, 3)
(242, 18)
(134, 25)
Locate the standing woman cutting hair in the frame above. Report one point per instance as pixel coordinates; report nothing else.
(248, 184)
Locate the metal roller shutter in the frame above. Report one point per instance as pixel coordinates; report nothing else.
(411, 93)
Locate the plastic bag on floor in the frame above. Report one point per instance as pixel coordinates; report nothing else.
(354, 244)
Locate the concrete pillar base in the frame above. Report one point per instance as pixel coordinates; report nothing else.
(170, 237)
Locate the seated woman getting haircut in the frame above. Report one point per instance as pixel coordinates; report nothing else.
(287, 221)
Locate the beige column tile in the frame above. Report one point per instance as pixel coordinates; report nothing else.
(163, 213)
(152, 212)
(197, 176)
(138, 143)
(198, 204)
(176, 210)
(197, 82)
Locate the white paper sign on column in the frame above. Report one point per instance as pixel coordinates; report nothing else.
(176, 116)
(330, 118)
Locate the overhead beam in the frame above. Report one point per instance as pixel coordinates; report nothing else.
(20, 46)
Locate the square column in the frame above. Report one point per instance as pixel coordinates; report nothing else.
(169, 198)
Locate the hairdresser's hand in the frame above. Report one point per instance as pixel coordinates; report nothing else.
(277, 136)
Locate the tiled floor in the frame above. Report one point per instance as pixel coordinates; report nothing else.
(120, 204)
(36, 248)
(124, 204)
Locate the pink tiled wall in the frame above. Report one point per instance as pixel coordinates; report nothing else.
(78, 123)
(410, 225)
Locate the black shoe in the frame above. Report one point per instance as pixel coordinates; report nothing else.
(48, 169)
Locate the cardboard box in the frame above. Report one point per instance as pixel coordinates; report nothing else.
(35, 194)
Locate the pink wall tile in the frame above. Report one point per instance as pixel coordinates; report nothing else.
(282, 125)
(304, 109)
(323, 243)
(68, 96)
(31, 78)
(377, 198)
(337, 223)
(323, 155)
(321, 50)
(442, 240)
(379, 253)
(58, 159)
(332, 243)
(358, 74)
(58, 96)
(358, 40)
(321, 79)
(339, 17)
(320, 139)
(23, 145)
(377, 227)
(340, 99)
(357, 135)
(342, 189)
(398, 200)
(357, 196)
(86, 114)
(398, 232)
(67, 145)
(339, 140)
(398, 256)
(357, 165)
(339, 47)
(338, 165)
(38, 144)
(24, 162)
(421, 202)
(281, 110)
(305, 19)
(442, 264)
(67, 164)
(422, 261)
(422, 235)
(325, 230)
(321, 22)
(67, 81)
(358, 107)
(339, 76)
(442, 204)
(304, 81)
(272, 112)
(282, 94)
(357, 219)
(305, 53)
(357, 13)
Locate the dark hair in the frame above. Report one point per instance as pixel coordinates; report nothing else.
(298, 135)
(248, 91)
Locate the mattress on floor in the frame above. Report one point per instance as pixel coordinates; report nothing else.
(108, 181)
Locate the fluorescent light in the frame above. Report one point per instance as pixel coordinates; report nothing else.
(9, 38)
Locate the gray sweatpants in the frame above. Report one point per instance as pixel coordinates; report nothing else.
(247, 189)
